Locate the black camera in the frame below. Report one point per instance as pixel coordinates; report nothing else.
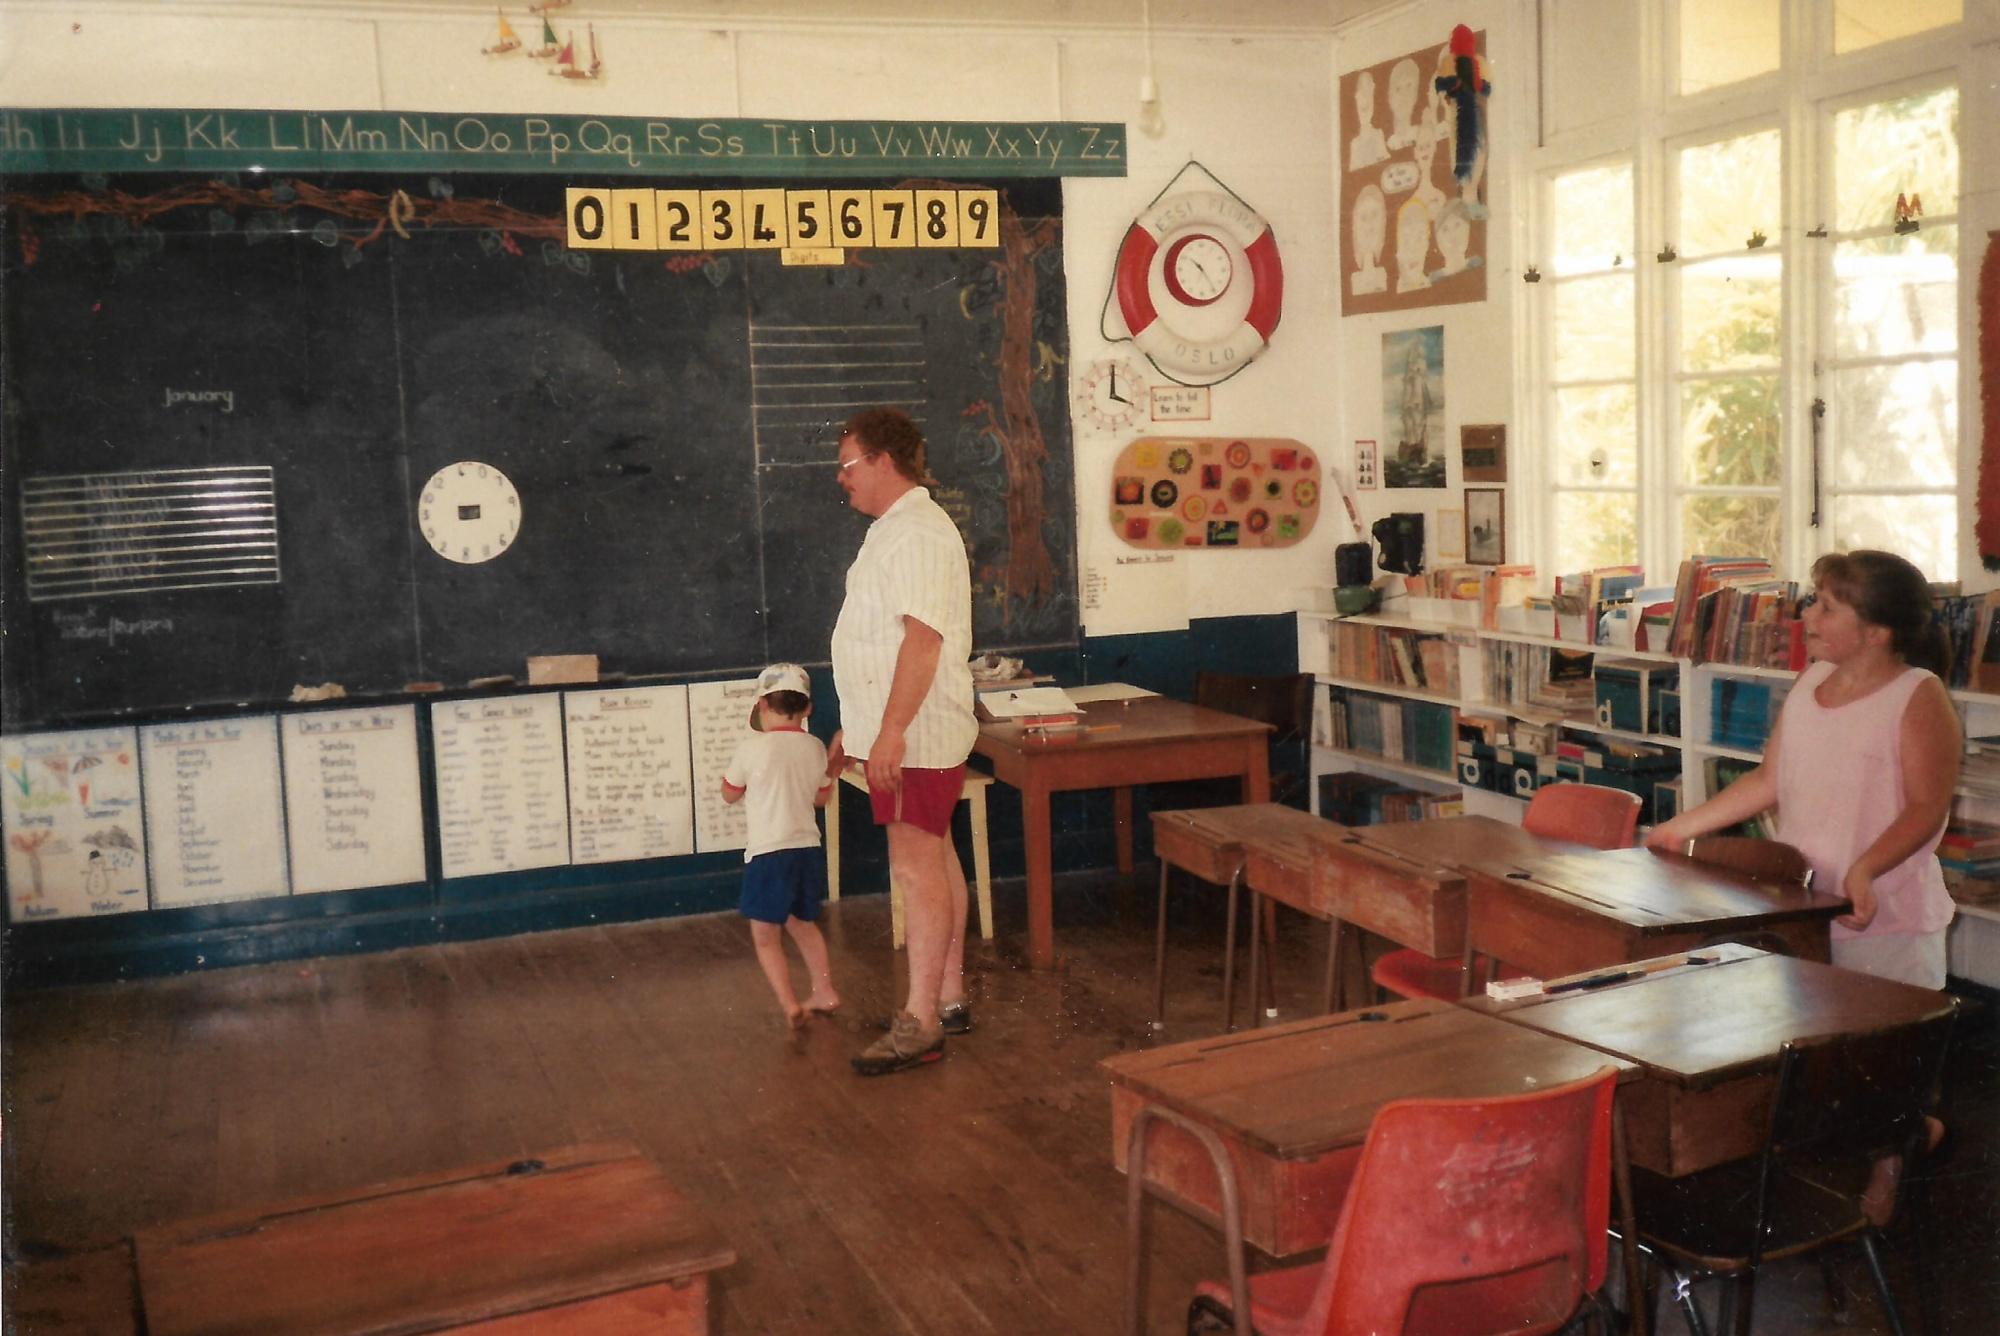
(1401, 539)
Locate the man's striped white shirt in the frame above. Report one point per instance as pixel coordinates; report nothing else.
(911, 564)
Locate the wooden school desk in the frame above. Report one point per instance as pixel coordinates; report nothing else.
(1405, 880)
(1268, 847)
(1292, 1103)
(595, 1240)
(1148, 740)
(1707, 1038)
(1561, 913)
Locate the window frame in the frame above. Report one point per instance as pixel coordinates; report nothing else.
(1811, 86)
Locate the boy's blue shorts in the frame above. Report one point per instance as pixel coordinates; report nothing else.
(785, 883)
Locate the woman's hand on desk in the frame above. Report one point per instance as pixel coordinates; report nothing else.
(1859, 888)
(1670, 837)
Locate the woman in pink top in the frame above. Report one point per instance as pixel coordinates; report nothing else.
(1861, 766)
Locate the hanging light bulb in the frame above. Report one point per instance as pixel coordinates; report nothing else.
(1152, 121)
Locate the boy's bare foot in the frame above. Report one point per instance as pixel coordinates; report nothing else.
(795, 1019)
(823, 1005)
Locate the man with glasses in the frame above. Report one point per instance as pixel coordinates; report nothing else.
(900, 652)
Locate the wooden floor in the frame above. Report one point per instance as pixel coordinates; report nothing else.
(973, 1196)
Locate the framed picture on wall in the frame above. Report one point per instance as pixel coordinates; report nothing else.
(1482, 453)
(1450, 531)
(1486, 525)
(1366, 479)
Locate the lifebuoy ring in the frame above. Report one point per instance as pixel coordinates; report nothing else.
(1206, 343)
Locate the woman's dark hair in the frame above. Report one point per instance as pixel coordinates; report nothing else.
(891, 432)
(1886, 591)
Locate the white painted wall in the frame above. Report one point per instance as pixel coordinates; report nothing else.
(1255, 107)
(1479, 337)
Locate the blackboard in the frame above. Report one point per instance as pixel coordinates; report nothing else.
(668, 423)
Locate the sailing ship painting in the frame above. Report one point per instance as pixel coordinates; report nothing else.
(508, 40)
(566, 65)
(548, 47)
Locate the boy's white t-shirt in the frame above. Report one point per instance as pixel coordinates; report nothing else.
(782, 772)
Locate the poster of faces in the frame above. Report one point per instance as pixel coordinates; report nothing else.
(1413, 176)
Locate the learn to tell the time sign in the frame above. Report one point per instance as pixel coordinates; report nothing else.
(776, 219)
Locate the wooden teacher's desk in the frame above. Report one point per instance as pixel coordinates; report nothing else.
(1292, 1103)
(1707, 1037)
(1559, 914)
(1149, 740)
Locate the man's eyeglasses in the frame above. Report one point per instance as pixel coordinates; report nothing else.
(847, 464)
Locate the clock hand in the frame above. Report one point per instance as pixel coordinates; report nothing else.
(1114, 380)
(1117, 397)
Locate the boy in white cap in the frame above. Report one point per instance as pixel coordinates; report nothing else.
(781, 774)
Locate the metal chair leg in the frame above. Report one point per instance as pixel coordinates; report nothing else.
(1871, 1245)
(1160, 954)
(1135, 1219)
(1256, 960)
(1229, 955)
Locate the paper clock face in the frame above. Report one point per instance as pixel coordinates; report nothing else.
(1112, 395)
(469, 512)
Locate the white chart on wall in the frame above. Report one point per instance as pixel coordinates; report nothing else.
(213, 811)
(353, 799)
(628, 774)
(76, 845)
(719, 717)
(500, 794)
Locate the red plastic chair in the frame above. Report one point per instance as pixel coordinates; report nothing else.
(1465, 1217)
(1588, 814)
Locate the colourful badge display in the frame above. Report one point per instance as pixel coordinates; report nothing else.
(1214, 491)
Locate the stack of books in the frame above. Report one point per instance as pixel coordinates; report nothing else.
(1355, 799)
(1410, 731)
(1979, 768)
(1391, 657)
(1706, 627)
(1041, 709)
(1971, 625)
(1970, 849)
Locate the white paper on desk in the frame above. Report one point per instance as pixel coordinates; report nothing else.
(1025, 701)
(1108, 691)
(1133, 592)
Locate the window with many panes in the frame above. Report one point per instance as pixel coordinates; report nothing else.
(1747, 332)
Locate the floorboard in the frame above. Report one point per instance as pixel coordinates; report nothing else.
(974, 1196)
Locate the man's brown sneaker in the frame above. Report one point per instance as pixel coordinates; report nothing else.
(905, 1046)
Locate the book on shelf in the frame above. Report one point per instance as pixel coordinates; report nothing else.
(1504, 588)
(1354, 799)
(1699, 578)
(1722, 771)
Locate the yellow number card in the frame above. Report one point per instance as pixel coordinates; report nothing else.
(677, 219)
(978, 217)
(722, 220)
(853, 217)
(588, 214)
(937, 217)
(895, 227)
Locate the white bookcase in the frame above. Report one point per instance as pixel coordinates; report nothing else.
(1975, 937)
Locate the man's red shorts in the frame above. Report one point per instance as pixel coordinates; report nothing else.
(925, 802)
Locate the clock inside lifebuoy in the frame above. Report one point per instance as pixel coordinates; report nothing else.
(1200, 285)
